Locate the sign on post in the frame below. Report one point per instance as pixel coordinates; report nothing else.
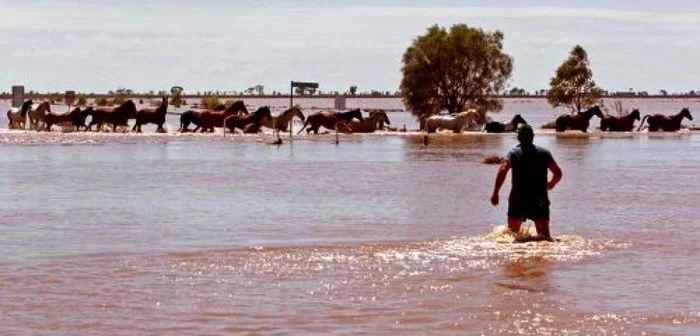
(17, 95)
(70, 98)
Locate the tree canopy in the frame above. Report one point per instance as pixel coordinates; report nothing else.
(454, 70)
(573, 85)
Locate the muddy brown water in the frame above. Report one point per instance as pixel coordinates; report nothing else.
(170, 234)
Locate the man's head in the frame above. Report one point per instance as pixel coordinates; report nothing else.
(525, 134)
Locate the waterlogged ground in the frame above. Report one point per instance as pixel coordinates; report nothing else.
(170, 234)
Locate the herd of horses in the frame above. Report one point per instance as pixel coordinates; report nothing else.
(38, 116)
(575, 121)
(234, 117)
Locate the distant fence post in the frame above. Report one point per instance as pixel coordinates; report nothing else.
(17, 95)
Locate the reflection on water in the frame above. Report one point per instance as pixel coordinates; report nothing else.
(200, 234)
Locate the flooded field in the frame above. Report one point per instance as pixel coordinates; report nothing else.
(170, 234)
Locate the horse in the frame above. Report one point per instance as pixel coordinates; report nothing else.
(36, 114)
(370, 125)
(116, 116)
(187, 118)
(241, 121)
(17, 116)
(455, 122)
(579, 121)
(76, 117)
(619, 124)
(665, 123)
(330, 120)
(499, 127)
(281, 122)
(210, 118)
(152, 116)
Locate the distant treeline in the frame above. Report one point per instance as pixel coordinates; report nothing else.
(59, 96)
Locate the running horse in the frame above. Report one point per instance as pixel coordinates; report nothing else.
(152, 116)
(243, 120)
(619, 124)
(17, 116)
(330, 120)
(455, 122)
(211, 118)
(369, 125)
(280, 122)
(76, 118)
(115, 116)
(499, 127)
(665, 123)
(36, 114)
(579, 121)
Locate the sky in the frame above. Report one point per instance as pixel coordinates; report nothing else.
(101, 45)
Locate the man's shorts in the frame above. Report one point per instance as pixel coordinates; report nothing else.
(532, 209)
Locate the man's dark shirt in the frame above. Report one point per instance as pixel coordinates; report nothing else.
(529, 182)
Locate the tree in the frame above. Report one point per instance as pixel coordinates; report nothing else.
(353, 90)
(176, 100)
(573, 85)
(455, 70)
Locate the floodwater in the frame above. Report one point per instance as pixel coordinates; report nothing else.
(167, 234)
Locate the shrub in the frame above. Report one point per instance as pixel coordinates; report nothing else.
(210, 102)
(102, 101)
(82, 100)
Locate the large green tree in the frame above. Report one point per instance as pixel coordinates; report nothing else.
(455, 69)
(573, 85)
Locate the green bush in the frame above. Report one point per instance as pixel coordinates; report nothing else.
(102, 101)
(210, 102)
(176, 100)
(550, 125)
(119, 99)
(82, 100)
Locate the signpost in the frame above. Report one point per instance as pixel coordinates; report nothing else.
(303, 86)
(17, 95)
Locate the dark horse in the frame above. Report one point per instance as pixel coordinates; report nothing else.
(619, 124)
(152, 116)
(330, 120)
(241, 121)
(116, 116)
(499, 127)
(210, 118)
(665, 123)
(76, 118)
(579, 121)
(192, 117)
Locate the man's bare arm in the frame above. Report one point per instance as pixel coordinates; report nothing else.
(500, 178)
(556, 172)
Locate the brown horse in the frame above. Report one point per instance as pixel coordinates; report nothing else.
(152, 116)
(116, 116)
(281, 122)
(72, 118)
(210, 118)
(619, 124)
(665, 123)
(579, 121)
(241, 121)
(369, 125)
(330, 120)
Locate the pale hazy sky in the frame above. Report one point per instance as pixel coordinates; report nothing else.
(231, 45)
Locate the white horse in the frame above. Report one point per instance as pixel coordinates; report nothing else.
(454, 122)
(17, 116)
(37, 113)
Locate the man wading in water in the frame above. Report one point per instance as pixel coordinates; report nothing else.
(528, 195)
